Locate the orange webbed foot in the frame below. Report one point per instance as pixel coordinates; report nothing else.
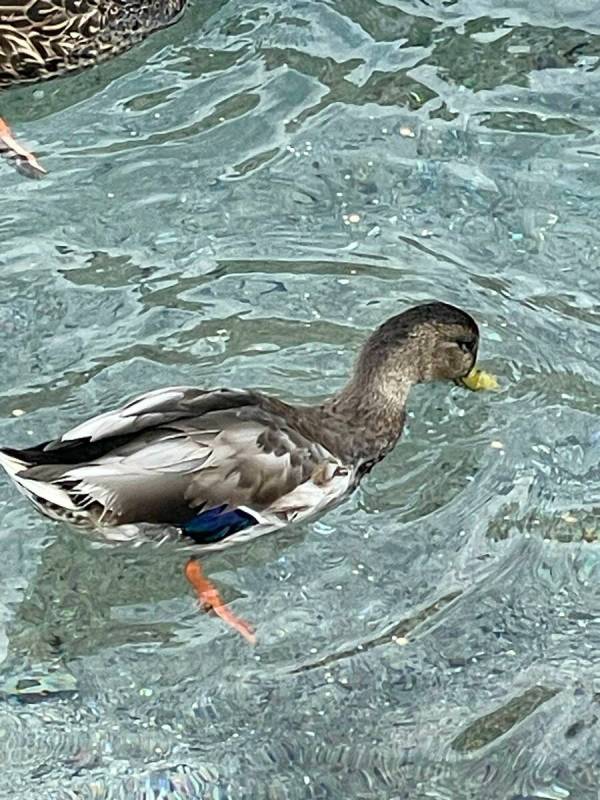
(22, 159)
(211, 600)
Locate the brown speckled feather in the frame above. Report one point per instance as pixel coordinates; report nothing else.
(41, 39)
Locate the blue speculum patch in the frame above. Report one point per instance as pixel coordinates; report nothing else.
(217, 524)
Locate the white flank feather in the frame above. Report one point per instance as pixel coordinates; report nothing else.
(36, 489)
(46, 491)
(11, 464)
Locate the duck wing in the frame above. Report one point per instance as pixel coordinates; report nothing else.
(211, 462)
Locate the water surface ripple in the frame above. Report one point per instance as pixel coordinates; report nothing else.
(237, 202)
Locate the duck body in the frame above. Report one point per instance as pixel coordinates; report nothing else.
(41, 39)
(225, 465)
(218, 465)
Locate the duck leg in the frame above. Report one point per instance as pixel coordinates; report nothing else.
(25, 161)
(209, 597)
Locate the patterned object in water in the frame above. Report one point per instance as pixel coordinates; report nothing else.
(40, 39)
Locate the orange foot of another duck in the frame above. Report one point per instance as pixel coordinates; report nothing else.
(210, 598)
(25, 161)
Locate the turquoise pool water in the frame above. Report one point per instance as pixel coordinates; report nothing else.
(238, 202)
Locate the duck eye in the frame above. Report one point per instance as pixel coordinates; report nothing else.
(466, 345)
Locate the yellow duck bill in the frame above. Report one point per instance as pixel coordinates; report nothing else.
(478, 380)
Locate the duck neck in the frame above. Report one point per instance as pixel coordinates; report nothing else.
(370, 410)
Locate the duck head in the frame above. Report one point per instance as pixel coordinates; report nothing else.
(430, 342)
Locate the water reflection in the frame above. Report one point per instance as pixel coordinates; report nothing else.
(236, 203)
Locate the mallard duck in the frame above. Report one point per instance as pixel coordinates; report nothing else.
(224, 465)
(41, 39)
